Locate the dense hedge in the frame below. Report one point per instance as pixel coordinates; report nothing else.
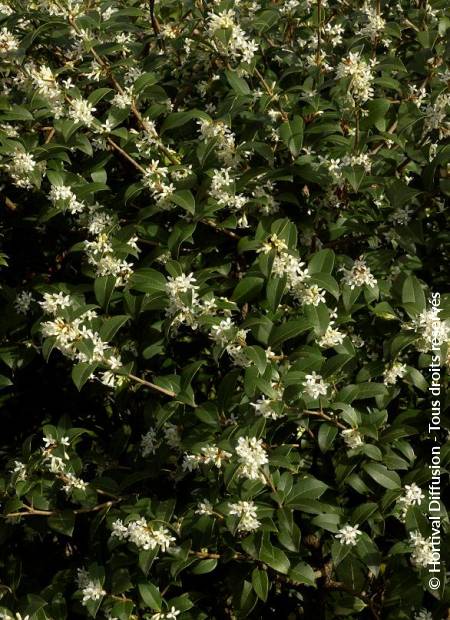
(223, 235)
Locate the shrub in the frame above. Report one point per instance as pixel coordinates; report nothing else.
(225, 296)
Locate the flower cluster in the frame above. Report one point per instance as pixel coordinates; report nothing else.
(422, 553)
(413, 497)
(348, 535)
(359, 275)
(252, 457)
(246, 511)
(143, 534)
(361, 77)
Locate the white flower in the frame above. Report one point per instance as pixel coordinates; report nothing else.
(20, 470)
(391, 374)
(309, 295)
(423, 614)
(65, 194)
(359, 275)
(170, 615)
(264, 407)
(55, 301)
(315, 386)
(331, 338)
(72, 482)
(191, 462)
(374, 26)
(431, 329)
(172, 435)
(215, 455)
(20, 168)
(8, 42)
(251, 457)
(123, 100)
(352, 437)
(422, 554)
(210, 454)
(413, 497)
(81, 112)
(348, 535)
(204, 508)
(23, 301)
(224, 332)
(247, 512)
(142, 534)
(361, 76)
(119, 530)
(148, 442)
(92, 591)
(237, 45)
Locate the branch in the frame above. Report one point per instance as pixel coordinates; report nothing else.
(152, 386)
(31, 512)
(324, 416)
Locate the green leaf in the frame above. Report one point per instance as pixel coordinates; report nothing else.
(291, 132)
(5, 381)
(324, 280)
(82, 372)
(361, 391)
(145, 80)
(62, 522)
(413, 296)
(274, 557)
(382, 475)
(364, 512)
(150, 595)
(260, 583)
(339, 552)
(258, 356)
(103, 290)
(307, 488)
(178, 119)
(238, 84)
(98, 94)
(287, 331)
(204, 566)
(147, 281)
(327, 434)
(247, 289)
(184, 199)
(112, 325)
(322, 262)
(275, 290)
(302, 573)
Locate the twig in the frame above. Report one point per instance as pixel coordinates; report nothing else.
(152, 386)
(31, 512)
(324, 416)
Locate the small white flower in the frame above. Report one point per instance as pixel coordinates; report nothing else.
(23, 301)
(148, 442)
(393, 373)
(53, 302)
(251, 457)
(264, 407)
(204, 508)
(423, 614)
(352, 437)
(422, 553)
(315, 386)
(81, 112)
(359, 275)
(348, 535)
(246, 511)
(92, 591)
